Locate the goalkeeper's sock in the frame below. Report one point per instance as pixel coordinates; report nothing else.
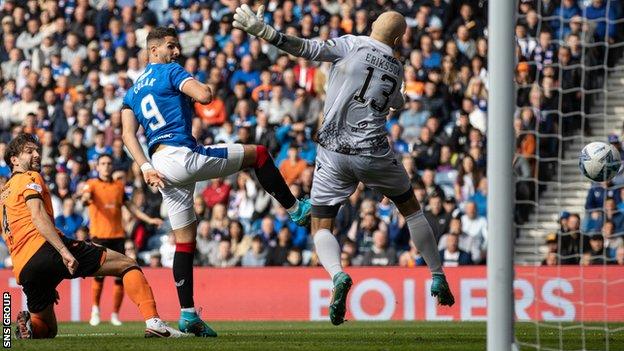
(118, 293)
(96, 289)
(423, 238)
(183, 273)
(271, 179)
(140, 292)
(328, 251)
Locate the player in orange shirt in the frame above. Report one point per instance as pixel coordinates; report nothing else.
(42, 256)
(105, 198)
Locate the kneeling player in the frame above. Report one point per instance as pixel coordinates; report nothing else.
(43, 257)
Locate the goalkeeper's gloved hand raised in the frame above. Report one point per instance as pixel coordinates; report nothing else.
(246, 20)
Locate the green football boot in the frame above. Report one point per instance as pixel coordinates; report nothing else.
(191, 323)
(338, 305)
(441, 290)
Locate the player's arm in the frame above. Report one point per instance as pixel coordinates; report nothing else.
(138, 213)
(46, 228)
(197, 90)
(330, 50)
(129, 129)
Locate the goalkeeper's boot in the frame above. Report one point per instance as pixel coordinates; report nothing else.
(441, 290)
(338, 305)
(302, 215)
(23, 329)
(156, 328)
(191, 323)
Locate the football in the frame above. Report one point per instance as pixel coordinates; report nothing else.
(600, 161)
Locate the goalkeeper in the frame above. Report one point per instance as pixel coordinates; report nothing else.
(365, 82)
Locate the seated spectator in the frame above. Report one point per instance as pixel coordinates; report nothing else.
(294, 258)
(239, 242)
(292, 167)
(598, 193)
(277, 255)
(611, 242)
(425, 150)
(155, 260)
(380, 254)
(256, 256)
(572, 243)
(263, 91)
(413, 118)
(278, 106)
(437, 216)
(480, 197)
(246, 74)
(267, 232)
(167, 251)
(68, 221)
(619, 256)
(466, 242)
(218, 192)
(596, 254)
(552, 259)
(474, 225)
(223, 256)
(467, 180)
(452, 256)
(212, 114)
(396, 141)
(205, 245)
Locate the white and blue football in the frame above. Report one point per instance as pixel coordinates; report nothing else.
(600, 161)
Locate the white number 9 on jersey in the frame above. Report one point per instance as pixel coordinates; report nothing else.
(150, 110)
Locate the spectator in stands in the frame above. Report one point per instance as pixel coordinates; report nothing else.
(596, 254)
(437, 215)
(466, 242)
(380, 253)
(277, 255)
(619, 255)
(256, 256)
(68, 221)
(452, 256)
(218, 192)
(292, 167)
(474, 225)
(572, 242)
(205, 246)
(223, 256)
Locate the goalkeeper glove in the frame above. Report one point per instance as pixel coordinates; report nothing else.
(246, 20)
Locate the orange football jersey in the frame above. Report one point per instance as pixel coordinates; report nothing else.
(107, 198)
(18, 230)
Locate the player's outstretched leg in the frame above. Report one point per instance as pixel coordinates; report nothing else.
(140, 293)
(328, 252)
(424, 239)
(258, 158)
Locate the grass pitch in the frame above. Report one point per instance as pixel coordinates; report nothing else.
(315, 336)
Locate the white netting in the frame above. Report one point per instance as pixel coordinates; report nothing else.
(570, 91)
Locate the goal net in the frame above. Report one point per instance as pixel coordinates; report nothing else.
(569, 252)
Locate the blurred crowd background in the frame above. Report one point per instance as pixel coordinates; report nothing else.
(66, 65)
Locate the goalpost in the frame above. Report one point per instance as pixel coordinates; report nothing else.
(501, 63)
(584, 298)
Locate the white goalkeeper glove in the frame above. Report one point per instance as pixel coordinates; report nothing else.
(246, 20)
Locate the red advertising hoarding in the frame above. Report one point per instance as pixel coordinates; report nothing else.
(542, 293)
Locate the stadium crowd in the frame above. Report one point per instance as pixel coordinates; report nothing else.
(66, 65)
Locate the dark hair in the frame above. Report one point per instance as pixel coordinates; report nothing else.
(16, 146)
(104, 155)
(160, 33)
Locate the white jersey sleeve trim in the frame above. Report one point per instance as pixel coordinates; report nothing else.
(184, 81)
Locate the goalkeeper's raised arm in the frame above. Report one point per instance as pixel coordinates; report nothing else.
(331, 50)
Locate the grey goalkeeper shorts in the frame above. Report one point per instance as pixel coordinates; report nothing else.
(337, 176)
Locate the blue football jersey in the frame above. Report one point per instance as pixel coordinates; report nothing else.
(160, 107)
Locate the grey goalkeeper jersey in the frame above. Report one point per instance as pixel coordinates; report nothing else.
(364, 83)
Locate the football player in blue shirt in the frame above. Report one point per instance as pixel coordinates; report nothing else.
(160, 101)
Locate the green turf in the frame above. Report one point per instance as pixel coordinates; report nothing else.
(281, 336)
